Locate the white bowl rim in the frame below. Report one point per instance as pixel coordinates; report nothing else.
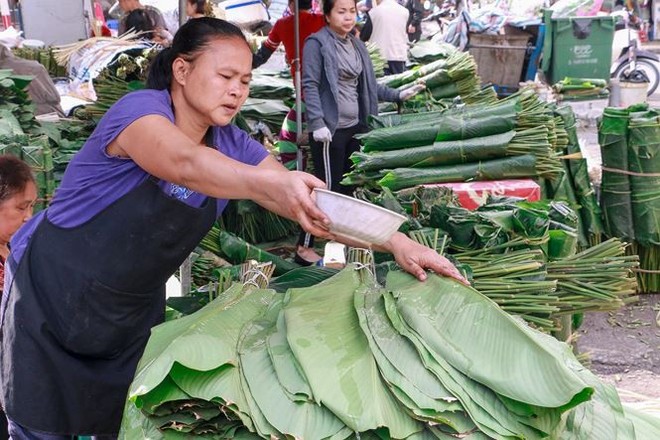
(362, 202)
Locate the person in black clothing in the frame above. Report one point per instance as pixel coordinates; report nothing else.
(416, 9)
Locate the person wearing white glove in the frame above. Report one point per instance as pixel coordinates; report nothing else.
(341, 92)
(322, 135)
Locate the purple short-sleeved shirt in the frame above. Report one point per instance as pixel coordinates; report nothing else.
(94, 180)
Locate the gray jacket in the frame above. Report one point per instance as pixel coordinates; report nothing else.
(321, 76)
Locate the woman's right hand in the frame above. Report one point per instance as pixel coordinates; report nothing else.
(290, 196)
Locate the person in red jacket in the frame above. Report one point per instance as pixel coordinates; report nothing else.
(283, 33)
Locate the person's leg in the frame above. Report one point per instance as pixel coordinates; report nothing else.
(336, 162)
(396, 67)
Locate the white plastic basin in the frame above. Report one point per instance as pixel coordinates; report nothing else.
(357, 219)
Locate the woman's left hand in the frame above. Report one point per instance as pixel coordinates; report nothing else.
(415, 258)
(411, 91)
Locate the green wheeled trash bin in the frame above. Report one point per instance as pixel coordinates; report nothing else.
(578, 47)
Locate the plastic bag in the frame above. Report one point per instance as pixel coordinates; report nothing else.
(573, 8)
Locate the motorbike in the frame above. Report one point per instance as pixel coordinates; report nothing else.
(628, 57)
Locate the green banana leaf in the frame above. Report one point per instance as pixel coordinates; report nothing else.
(484, 407)
(300, 419)
(335, 358)
(507, 168)
(199, 371)
(288, 371)
(414, 386)
(445, 316)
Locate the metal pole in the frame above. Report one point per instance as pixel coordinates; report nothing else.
(297, 85)
(185, 275)
(182, 11)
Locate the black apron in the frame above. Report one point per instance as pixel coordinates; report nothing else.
(81, 307)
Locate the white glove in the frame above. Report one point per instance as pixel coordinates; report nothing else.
(322, 135)
(411, 91)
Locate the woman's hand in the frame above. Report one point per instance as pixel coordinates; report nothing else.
(289, 194)
(415, 258)
(411, 91)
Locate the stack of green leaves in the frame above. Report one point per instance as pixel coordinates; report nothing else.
(43, 56)
(255, 224)
(16, 108)
(644, 169)
(66, 139)
(523, 255)
(236, 250)
(580, 88)
(412, 360)
(589, 210)
(513, 138)
(630, 148)
(265, 86)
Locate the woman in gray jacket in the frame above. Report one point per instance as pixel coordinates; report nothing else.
(340, 91)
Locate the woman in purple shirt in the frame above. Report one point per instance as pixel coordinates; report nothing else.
(86, 278)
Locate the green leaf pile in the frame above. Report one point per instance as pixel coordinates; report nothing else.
(347, 358)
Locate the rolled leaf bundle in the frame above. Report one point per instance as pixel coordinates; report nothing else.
(615, 187)
(507, 168)
(446, 153)
(644, 163)
(446, 128)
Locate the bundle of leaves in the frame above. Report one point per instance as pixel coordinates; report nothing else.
(348, 358)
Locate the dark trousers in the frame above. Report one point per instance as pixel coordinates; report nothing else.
(394, 67)
(18, 432)
(335, 165)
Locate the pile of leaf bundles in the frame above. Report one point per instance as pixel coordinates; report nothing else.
(44, 56)
(236, 250)
(264, 86)
(580, 88)
(269, 111)
(589, 210)
(630, 147)
(644, 169)
(16, 108)
(253, 223)
(418, 130)
(600, 278)
(425, 52)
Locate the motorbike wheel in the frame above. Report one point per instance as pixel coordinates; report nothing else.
(646, 65)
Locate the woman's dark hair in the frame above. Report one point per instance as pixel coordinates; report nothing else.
(191, 39)
(200, 6)
(304, 5)
(140, 21)
(328, 5)
(14, 176)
